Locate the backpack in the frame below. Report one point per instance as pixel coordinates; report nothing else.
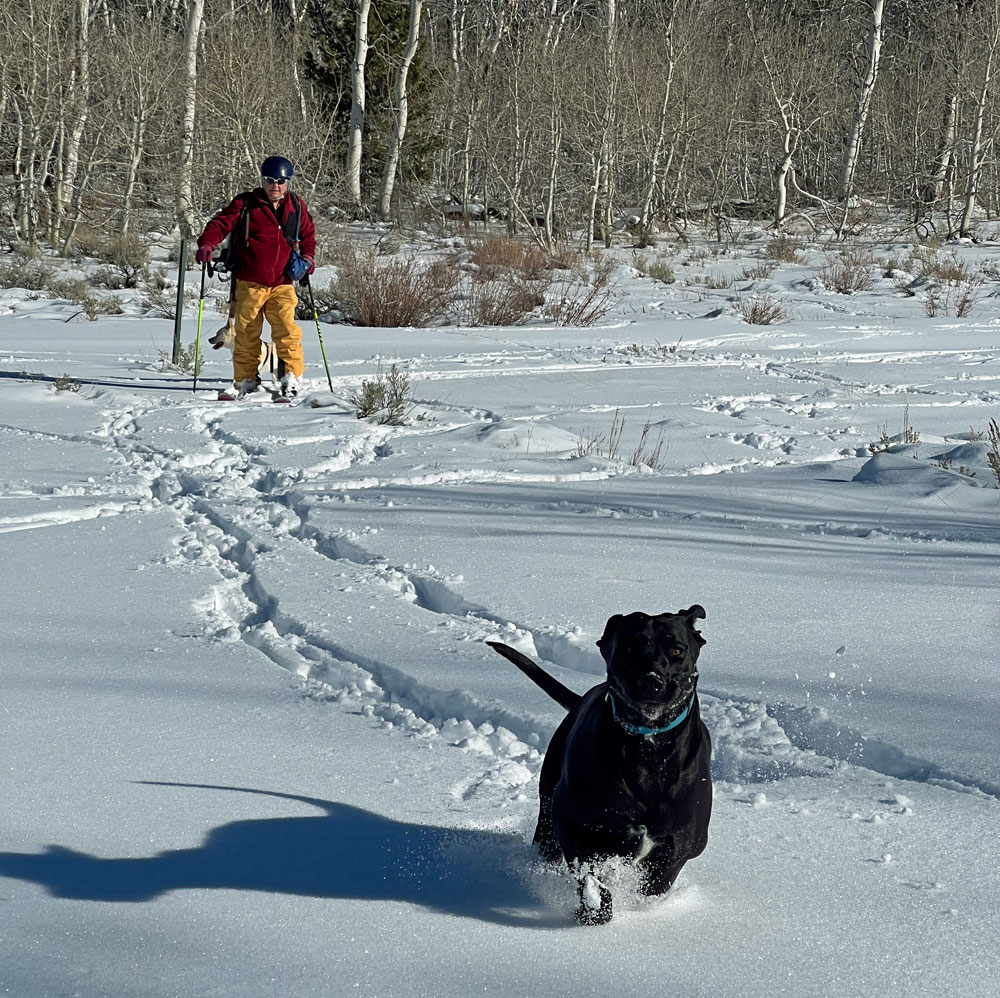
(229, 260)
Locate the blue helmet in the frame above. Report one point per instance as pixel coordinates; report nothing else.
(277, 167)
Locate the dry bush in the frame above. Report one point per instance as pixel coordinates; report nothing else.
(947, 270)
(761, 310)
(993, 454)
(884, 442)
(126, 256)
(24, 272)
(496, 255)
(848, 273)
(391, 293)
(959, 300)
(758, 272)
(580, 304)
(646, 452)
(715, 280)
(71, 288)
(783, 248)
(654, 267)
(604, 268)
(504, 301)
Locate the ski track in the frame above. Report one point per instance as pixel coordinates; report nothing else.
(234, 509)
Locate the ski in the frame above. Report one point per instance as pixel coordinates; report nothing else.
(275, 395)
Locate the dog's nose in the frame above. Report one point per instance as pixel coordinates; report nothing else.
(653, 686)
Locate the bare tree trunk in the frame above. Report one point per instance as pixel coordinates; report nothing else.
(556, 137)
(978, 145)
(602, 155)
(185, 173)
(132, 174)
(402, 109)
(356, 130)
(80, 104)
(661, 131)
(852, 149)
(945, 151)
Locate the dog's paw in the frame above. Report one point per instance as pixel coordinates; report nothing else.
(595, 902)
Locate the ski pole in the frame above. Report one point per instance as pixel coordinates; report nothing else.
(197, 337)
(319, 332)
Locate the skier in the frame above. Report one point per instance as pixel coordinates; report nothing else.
(269, 228)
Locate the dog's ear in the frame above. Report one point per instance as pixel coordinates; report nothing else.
(693, 613)
(604, 641)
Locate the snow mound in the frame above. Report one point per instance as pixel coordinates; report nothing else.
(891, 468)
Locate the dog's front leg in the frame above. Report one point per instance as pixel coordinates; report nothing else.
(659, 874)
(595, 901)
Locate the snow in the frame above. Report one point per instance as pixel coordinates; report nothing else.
(254, 742)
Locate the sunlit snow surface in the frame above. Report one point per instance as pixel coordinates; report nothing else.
(254, 744)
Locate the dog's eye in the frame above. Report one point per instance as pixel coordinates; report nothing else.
(676, 652)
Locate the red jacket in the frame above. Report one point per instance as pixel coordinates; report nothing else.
(261, 248)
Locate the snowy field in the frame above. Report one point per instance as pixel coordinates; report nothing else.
(253, 741)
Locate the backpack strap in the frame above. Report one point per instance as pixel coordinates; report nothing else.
(296, 216)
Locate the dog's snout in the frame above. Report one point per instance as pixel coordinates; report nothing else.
(654, 686)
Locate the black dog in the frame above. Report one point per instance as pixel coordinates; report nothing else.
(627, 772)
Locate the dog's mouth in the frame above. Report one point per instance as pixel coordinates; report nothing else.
(653, 690)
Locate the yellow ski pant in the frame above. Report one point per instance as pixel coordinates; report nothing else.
(254, 304)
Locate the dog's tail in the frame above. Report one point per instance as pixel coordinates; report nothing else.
(562, 695)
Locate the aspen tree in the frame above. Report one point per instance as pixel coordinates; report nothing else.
(402, 109)
(862, 107)
(185, 184)
(356, 129)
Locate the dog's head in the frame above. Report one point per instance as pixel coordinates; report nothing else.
(653, 660)
(224, 336)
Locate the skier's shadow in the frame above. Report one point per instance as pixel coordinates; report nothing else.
(344, 853)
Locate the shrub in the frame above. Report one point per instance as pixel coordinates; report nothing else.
(392, 293)
(761, 310)
(758, 272)
(783, 248)
(884, 442)
(503, 301)
(497, 255)
(993, 454)
(24, 272)
(185, 360)
(580, 305)
(655, 267)
(386, 396)
(64, 383)
(848, 273)
(946, 270)
(71, 288)
(126, 256)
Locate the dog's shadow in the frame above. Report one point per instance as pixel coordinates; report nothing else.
(345, 853)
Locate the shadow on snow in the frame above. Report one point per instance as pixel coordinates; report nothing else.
(344, 853)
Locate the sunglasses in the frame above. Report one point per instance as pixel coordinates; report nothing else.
(275, 180)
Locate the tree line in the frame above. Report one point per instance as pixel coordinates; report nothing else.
(558, 115)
